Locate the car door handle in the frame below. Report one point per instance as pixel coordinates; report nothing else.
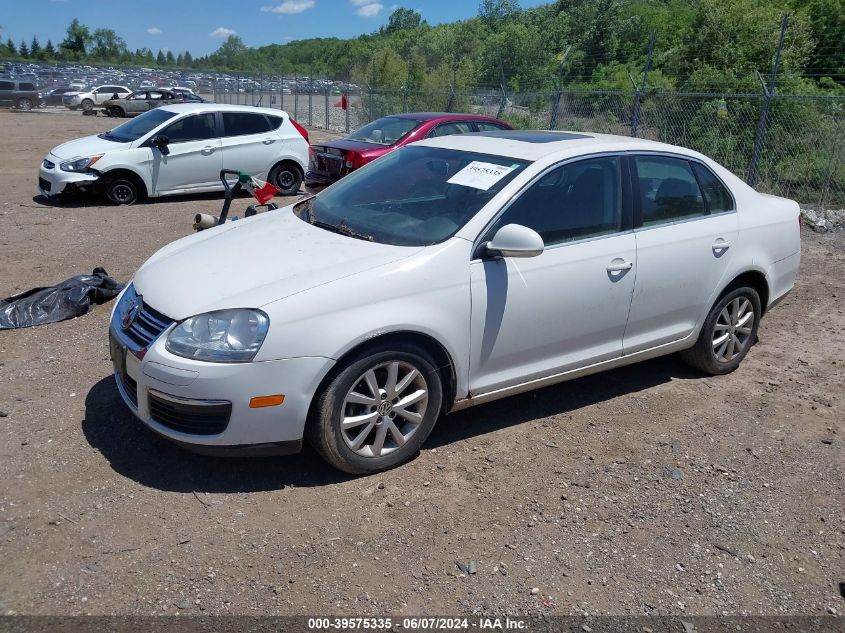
(721, 245)
(269, 141)
(619, 267)
(208, 149)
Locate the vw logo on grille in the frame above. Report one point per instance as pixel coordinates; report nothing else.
(130, 313)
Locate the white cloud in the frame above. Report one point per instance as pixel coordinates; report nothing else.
(222, 32)
(358, 3)
(154, 30)
(369, 10)
(290, 6)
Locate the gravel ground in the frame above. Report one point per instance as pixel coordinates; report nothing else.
(645, 490)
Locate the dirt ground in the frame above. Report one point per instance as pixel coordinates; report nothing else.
(646, 490)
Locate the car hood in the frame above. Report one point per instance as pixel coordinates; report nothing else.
(253, 262)
(86, 146)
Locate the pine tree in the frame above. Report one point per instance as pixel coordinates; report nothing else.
(170, 59)
(161, 60)
(180, 60)
(50, 50)
(35, 47)
(13, 50)
(188, 58)
(23, 51)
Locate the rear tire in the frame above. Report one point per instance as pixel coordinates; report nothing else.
(122, 190)
(729, 331)
(377, 411)
(286, 177)
(87, 105)
(118, 112)
(24, 104)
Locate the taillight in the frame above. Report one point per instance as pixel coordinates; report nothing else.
(301, 130)
(354, 160)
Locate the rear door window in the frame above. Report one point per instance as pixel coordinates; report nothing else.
(243, 123)
(487, 126)
(453, 127)
(27, 86)
(669, 191)
(6, 85)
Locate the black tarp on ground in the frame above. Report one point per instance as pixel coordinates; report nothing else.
(71, 298)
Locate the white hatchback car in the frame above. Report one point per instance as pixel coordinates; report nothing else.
(451, 272)
(178, 149)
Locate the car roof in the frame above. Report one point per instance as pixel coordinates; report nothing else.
(431, 116)
(533, 145)
(181, 108)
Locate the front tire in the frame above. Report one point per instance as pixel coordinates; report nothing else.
(122, 190)
(729, 331)
(24, 104)
(287, 178)
(87, 105)
(377, 411)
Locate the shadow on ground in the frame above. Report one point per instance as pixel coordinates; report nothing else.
(137, 453)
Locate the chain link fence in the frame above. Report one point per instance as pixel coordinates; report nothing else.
(792, 148)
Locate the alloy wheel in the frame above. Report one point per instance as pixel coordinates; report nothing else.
(384, 408)
(732, 331)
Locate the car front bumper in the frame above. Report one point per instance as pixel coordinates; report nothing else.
(205, 406)
(52, 181)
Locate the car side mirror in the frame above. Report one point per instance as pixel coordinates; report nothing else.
(161, 142)
(514, 240)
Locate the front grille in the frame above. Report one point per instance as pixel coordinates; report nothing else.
(48, 164)
(44, 184)
(130, 387)
(188, 416)
(147, 326)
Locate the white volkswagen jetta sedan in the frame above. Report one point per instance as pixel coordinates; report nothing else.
(454, 271)
(178, 149)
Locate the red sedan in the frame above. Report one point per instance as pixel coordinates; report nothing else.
(333, 160)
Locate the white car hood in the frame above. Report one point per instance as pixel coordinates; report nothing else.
(86, 146)
(252, 262)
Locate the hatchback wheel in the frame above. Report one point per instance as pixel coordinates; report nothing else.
(729, 331)
(378, 411)
(24, 104)
(87, 105)
(122, 190)
(287, 178)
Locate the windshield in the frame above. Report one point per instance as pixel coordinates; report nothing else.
(415, 196)
(385, 131)
(135, 128)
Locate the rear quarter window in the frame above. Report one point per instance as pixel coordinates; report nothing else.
(275, 121)
(243, 123)
(27, 86)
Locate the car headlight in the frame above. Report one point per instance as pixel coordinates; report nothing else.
(224, 336)
(80, 164)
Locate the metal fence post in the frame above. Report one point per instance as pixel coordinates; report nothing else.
(635, 117)
(760, 136)
(295, 98)
(556, 99)
(504, 100)
(311, 99)
(348, 102)
(328, 92)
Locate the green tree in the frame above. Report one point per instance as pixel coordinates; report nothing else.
(494, 12)
(23, 50)
(49, 50)
(402, 19)
(169, 58)
(161, 60)
(107, 45)
(77, 39)
(13, 50)
(35, 48)
(187, 59)
(180, 60)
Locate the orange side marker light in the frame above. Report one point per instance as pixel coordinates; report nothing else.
(266, 401)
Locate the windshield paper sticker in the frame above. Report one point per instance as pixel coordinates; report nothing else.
(479, 175)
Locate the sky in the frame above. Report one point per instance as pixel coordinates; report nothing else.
(201, 25)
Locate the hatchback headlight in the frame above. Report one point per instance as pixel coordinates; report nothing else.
(224, 336)
(80, 164)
